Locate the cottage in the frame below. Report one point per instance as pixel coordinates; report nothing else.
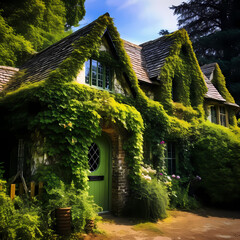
(93, 107)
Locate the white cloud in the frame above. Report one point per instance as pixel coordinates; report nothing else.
(158, 12)
(121, 4)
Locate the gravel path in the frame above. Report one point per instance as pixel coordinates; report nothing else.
(205, 224)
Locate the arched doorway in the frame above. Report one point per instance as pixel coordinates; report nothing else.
(100, 168)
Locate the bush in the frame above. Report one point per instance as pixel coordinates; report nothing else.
(216, 158)
(82, 205)
(179, 195)
(20, 219)
(148, 201)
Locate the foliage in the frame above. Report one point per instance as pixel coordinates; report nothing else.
(70, 115)
(214, 28)
(21, 219)
(179, 194)
(82, 205)
(149, 201)
(188, 86)
(13, 47)
(220, 83)
(216, 158)
(1, 170)
(36, 24)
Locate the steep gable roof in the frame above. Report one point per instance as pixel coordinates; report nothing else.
(208, 70)
(214, 93)
(40, 65)
(155, 53)
(137, 60)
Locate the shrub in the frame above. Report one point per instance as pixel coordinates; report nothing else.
(216, 158)
(20, 219)
(82, 205)
(148, 201)
(179, 195)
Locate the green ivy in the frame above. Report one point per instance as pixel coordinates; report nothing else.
(70, 114)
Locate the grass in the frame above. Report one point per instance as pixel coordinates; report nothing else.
(148, 226)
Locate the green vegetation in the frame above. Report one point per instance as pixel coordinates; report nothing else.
(215, 35)
(216, 158)
(188, 86)
(67, 116)
(220, 83)
(21, 219)
(33, 24)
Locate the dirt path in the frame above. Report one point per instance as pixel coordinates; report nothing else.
(202, 225)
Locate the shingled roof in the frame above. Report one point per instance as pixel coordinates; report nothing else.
(6, 74)
(155, 53)
(138, 61)
(40, 65)
(208, 70)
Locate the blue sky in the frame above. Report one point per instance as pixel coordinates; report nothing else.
(137, 21)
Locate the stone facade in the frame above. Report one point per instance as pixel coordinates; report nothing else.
(119, 172)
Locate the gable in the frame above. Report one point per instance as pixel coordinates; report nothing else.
(40, 66)
(106, 73)
(170, 63)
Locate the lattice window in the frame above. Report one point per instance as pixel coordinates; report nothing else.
(93, 157)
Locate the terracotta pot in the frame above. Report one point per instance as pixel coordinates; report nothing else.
(63, 219)
(89, 226)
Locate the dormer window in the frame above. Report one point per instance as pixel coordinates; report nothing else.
(98, 74)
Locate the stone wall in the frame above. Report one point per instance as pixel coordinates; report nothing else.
(119, 172)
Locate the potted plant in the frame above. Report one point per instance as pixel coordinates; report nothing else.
(60, 202)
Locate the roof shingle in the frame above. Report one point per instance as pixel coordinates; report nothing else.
(6, 74)
(40, 65)
(155, 53)
(137, 60)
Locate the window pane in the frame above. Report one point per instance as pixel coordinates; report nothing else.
(222, 110)
(94, 72)
(171, 158)
(100, 75)
(93, 157)
(213, 114)
(223, 116)
(87, 71)
(108, 79)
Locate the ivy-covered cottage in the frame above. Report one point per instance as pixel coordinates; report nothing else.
(93, 108)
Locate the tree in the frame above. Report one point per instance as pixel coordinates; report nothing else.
(40, 22)
(214, 28)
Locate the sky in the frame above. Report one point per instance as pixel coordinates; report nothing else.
(137, 21)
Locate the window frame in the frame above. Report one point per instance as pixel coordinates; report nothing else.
(172, 159)
(222, 116)
(104, 75)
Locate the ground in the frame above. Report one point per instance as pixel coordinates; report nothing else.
(207, 224)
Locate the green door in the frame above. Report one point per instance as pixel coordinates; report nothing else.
(98, 159)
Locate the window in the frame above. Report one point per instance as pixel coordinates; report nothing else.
(213, 114)
(223, 116)
(93, 157)
(171, 158)
(98, 74)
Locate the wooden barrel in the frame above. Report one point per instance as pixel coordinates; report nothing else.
(63, 220)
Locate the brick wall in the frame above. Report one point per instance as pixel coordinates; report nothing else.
(119, 172)
(5, 75)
